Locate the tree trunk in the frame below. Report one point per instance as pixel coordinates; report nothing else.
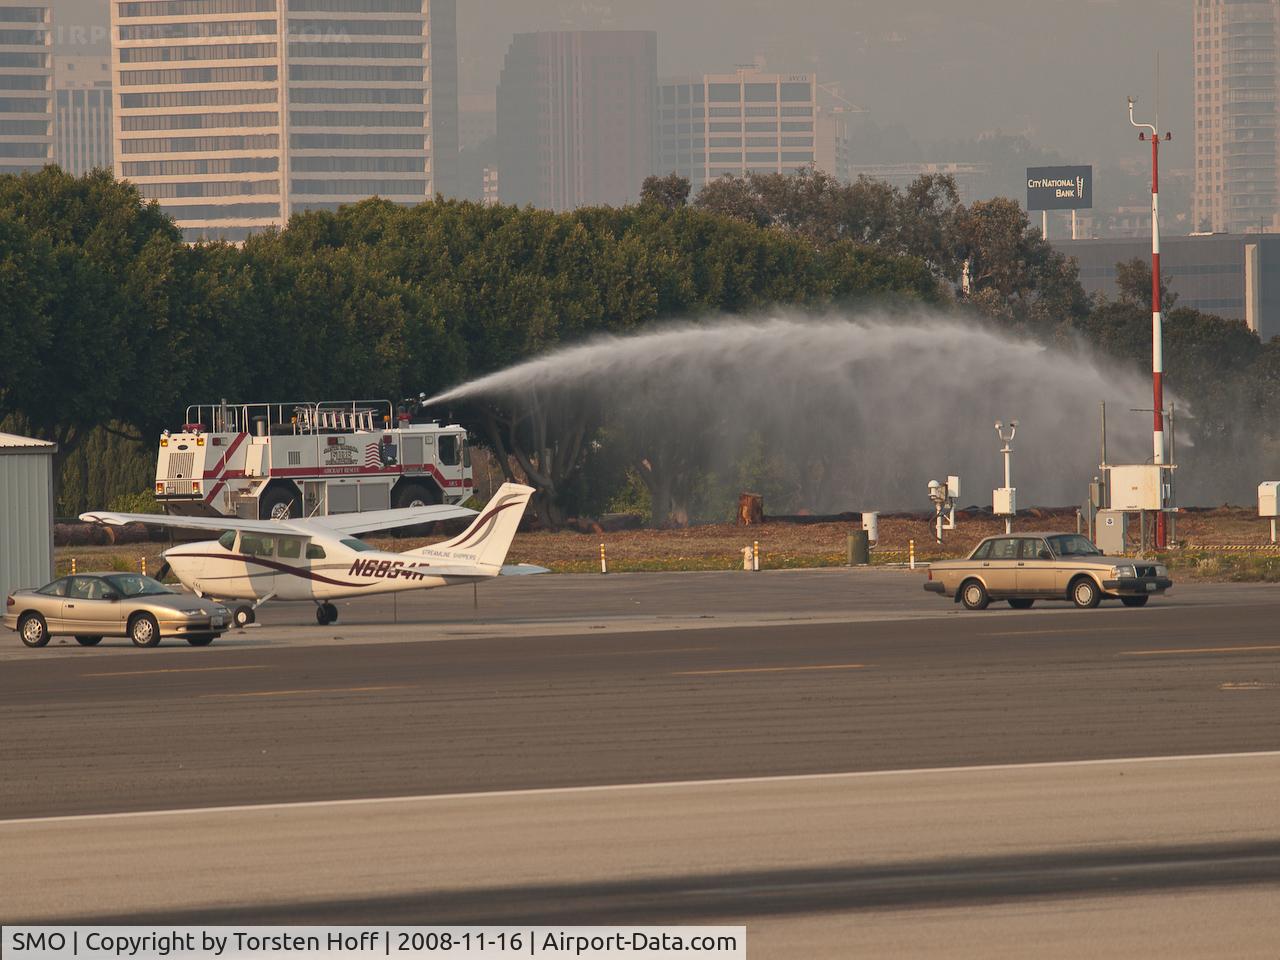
(750, 509)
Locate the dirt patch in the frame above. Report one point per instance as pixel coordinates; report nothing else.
(1225, 543)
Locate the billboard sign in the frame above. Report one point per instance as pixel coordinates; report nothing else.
(1059, 188)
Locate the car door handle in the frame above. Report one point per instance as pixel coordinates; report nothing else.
(71, 606)
(1021, 564)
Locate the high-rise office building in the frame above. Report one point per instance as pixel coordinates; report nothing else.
(1237, 151)
(234, 114)
(749, 121)
(82, 128)
(576, 118)
(26, 87)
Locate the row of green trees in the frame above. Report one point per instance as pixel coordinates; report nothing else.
(108, 321)
(110, 325)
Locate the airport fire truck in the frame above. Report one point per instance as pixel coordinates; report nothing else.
(261, 460)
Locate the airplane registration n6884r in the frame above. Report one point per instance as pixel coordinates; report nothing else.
(321, 559)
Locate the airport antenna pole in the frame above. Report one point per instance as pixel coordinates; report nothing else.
(1157, 346)
(1007, 451)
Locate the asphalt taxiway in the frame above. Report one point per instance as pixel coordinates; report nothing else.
(842, 761)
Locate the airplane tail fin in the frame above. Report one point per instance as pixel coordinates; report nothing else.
(489, 537)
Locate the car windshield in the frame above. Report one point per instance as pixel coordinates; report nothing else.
(1073, 545)
(135, 585)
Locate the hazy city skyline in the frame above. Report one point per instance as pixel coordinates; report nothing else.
(1057, 73)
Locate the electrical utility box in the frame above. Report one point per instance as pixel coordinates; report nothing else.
(1004, 501)
(953, 488)
(1269, 499)
(1110, 532)
(1136, 487)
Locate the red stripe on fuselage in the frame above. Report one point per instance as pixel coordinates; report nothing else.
(278, 567)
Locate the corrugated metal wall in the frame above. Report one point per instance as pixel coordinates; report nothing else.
(26, 520)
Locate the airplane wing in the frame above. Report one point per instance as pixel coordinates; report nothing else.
(374, 520)
(211, 524)
(342, 523)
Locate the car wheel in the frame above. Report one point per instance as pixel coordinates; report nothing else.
(33, 630)
(201, 641)
(144, 631)
(1021, 603)
(974, 595)
(244, 616)
(1134, 601)
(93, 641)
(1085, 593)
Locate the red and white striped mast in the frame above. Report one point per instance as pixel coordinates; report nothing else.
(1157, 319)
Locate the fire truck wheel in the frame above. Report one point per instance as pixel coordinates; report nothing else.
(326, 614)
(244, 616)
(279, 504)
(415, 495)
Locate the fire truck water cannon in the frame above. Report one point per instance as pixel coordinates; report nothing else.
(944, 497)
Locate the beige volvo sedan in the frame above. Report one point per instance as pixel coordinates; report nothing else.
(1026, 567)
(96, 605)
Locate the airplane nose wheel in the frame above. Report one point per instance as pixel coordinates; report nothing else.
(326, 613)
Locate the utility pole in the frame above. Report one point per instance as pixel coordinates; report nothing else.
(1157, 319)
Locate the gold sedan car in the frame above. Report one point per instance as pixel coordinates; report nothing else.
(1026, 567)
(95, 605)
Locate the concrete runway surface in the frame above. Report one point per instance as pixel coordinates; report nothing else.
(846, 764)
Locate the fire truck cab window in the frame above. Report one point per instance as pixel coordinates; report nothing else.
(448, 447)
(256, 546)
(227, 540)
(315, 551)
(290, 548)
(466, 454)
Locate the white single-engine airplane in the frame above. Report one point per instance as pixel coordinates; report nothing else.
(321, 560)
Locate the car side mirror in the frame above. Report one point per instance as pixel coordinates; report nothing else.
(111, 595)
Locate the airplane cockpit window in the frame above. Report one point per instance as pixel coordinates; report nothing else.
(256, 546)
(290, 548)
(227, 540)
(315, 551)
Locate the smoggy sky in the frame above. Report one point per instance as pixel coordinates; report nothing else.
(943, 69)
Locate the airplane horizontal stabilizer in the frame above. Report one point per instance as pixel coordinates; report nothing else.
(521, 570)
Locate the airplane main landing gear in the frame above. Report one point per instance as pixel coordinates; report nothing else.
(326, 613)
(243, 616)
